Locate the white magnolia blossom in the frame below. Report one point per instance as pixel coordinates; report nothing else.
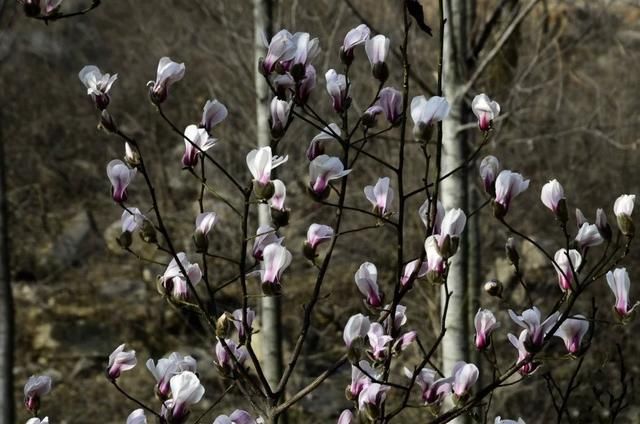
(120, 360)
(355, 37)
(173, 279)
(131, 220)
(186, 390)
(324, 169)
(98, 84)
(213, 113)
(530, 321)
(36, 387)
(166, 368)
(357, 327)
(485, 110)
(337, 89)
(567, 264)
(589, 236)
(623, 205)
(485, 322)
(464, 377)
(120, 176)
(318, 233)
(168, 73)
(377, 49)
(316, 146)
(366, 279)
(279, 195)
(571, 331)
(508, 186)
(551, 195)
(380, 195)
(276, 260)
(265, 235)
(205, 222)
(280, 110)
(489, 169)
(428, 112)
(260, 163)
(453, 223)
(196, 141)
(281, 49)
(36, 420)
(137, 417)
(619, 283)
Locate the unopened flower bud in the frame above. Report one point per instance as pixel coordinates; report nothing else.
(131, 156)
(224, 325)
(148, 232)
(263, 191)
(124, 240)
(493, 288)
(512, 252)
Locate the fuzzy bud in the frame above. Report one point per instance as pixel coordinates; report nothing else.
(493, 288)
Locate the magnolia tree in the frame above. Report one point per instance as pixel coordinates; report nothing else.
(385, 380)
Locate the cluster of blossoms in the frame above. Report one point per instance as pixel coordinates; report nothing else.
(371, 341)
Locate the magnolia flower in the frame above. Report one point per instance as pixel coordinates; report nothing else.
(131, 220)
(261, 162)
(433, 389)
(360, 378)
(213, 113)
(120, 176)
(404, 341)
(317, 234)
(501, 421)
(196, 141)
(281, 49)
(357, 328)
(623, 205)
(378, 340)
(489, 169)
(552, 194)
(410, 268)
(588, 236)
(425, 113)
(390, 101)
(380, 195)
(509, 185)
(399, 319)
(36, 420)
(280, 110)
(238, 321)
(354, 37)
(464, 377)
(324, 169)
(36, 387)
(205, 222)
(619, 283)
(224, 360)
(435, 261)
(167, 368)
(119, 361)
(566, 266)
(453, 223)
(265, 235)
(276, 259)
(530, 321)
(304, 89)
(485, 322)
(173, 279)
(306, 50)
(523, 353)
(337, 89)
(186, 390)
(372, 396)
(237, 417)
(137, 417)
(485, 110)
(346, 417)
(168, 73)
(366, 280)
(316, 146)
(623, 208)
(377, 49)
(279, 195)
(98, 84)
(571, 331)
(425, 211)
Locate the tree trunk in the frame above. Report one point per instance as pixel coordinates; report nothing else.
(6, 303)
(453, 188)
(270, 314)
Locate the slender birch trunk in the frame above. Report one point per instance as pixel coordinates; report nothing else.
(270, 314)
(453, 188)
